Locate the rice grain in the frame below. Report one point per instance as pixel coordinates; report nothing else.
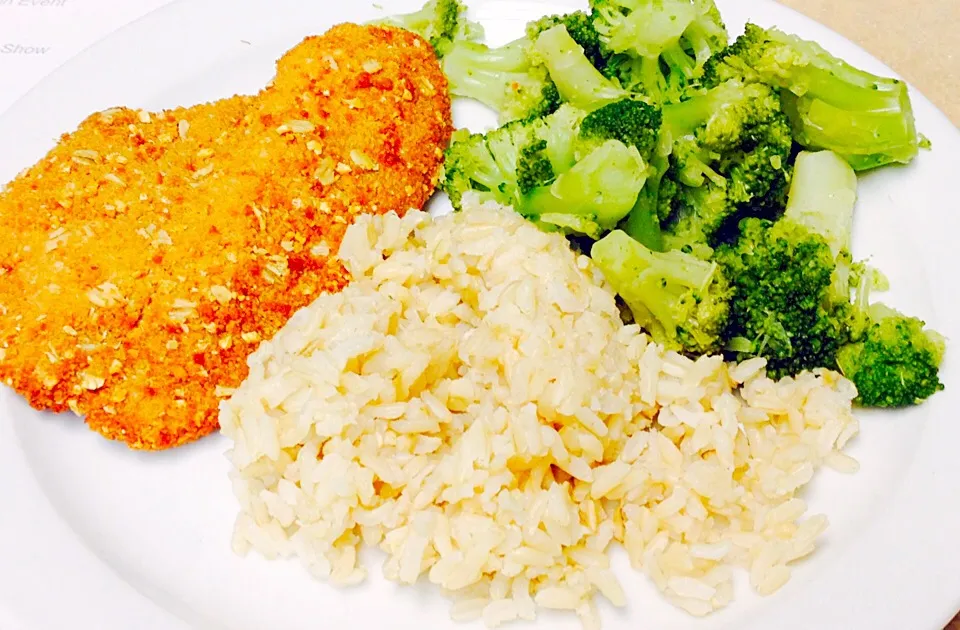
(473, 405)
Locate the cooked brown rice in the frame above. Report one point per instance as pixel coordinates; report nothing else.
(472, 405)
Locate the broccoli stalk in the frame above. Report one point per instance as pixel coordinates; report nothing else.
(865, 118)
(579, 25)
(681, 300)
(599, 190)
(658, 47)
(505, 79)
(578, 81)
(440, 22)
(528, 78)
(576, 171)
(822, 197)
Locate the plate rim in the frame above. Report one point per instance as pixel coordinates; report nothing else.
(936, 423)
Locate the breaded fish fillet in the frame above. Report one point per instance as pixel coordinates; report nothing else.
(148, 254)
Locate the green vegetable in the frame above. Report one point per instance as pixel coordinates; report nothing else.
(783, 307)
(506, 79)
(529, 78)
(601, 188)
(787, 306)
(863, 117)
(632, 122)
(729, 151)
(791, 303)
(658, 47)
(636, 124)
(822, 197)
(682, 301)
(896, 363)
(589, 166)
(579, 25)
(440, 22)
(578, 81)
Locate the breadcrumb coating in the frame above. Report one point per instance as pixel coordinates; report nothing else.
(150, 253)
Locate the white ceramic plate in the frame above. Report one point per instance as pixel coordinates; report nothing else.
(93, 535)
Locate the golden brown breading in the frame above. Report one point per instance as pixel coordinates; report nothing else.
(151, 252)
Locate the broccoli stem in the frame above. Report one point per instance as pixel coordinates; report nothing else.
(642, 223)
(865, 118)
(866, 139)
(470, 55)
(702, 39)
(602, 186)
(476, 71)
(577, 80)
(504, 79)
(822, 197)
(645, 279)
(682, 119)
(679, 61)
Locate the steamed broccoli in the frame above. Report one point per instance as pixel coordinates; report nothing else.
(863, 117)
(658, 47)
(506, 79)
(681, 300)
(578, 81)
(729, 151)
(895, 363)
(791, 303)
(578, 171)
(822, 196)
(440, 22)
(579, 26)
(528, 78)
(783, 307)
(786, 305)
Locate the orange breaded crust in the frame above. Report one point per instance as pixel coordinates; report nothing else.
(148, 254)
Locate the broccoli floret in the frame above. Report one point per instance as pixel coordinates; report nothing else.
(599, 189)
(534, 168)
(832, 105)
(634, 123)
(528, 78)
(626, 123)
(729, 150)
(682, 301)
(782, 306)
(658, 47)
(791, 296)
(578, 81)
(488, 164)
(897, 361)
(579, 25)
(506, 79)
(440, 22)
(572, 170)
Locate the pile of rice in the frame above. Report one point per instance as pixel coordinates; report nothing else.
(472, 405)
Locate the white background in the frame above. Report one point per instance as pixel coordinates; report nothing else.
(36, 36)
